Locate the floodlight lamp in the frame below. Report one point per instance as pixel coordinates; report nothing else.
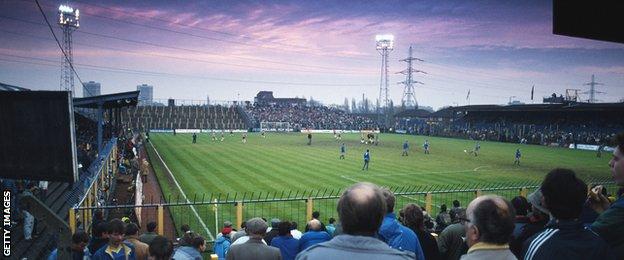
(384, 37)
(385, 41)
(66, 9)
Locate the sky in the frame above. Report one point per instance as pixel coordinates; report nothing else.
(230, 50)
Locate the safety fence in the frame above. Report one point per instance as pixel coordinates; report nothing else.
(206, 213)
(97, 189)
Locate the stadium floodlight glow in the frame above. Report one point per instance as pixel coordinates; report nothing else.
(385, 41)
(66, 9)
(68, 16)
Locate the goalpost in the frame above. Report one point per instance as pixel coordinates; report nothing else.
(275, 127)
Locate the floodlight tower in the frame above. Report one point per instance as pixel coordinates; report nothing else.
(385, 44)
(68, 20)
(409, 100)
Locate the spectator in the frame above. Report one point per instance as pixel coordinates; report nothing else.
(150, 235)
(489, 224)
(272, 231)
(521, 207)
(240, 233)
(194, 246)
(316, 215)
(396, 235)
(132, 237)
(456, 209)
(331, 227)
(288, 246)
(78, 247)
(565, 237)
(413, 218)
(255, 248)
(29, 222)
(294, 231)
(451, 240)
(538, 218)
(361, 209)
(185, 228)
(610, 224)
(161, 248)
(443, 219)
(115, 249)
(314, 236)
(222, 244)
(98, 217)
(99, 238)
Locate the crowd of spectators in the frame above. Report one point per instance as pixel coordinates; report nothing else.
(559, 220)
(545, 131)
(310, 117)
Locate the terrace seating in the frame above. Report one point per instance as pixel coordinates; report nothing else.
(184, 117)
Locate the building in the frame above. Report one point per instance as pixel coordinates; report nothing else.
(146, 94)
(265, 98)
(91, 89)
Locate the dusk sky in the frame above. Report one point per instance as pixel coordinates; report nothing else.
(320, 49)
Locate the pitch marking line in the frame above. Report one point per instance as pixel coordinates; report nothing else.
(183, 194)
(414, 173)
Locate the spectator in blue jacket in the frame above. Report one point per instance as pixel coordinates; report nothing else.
(194, 245)
(115, 249)
(396, 235)
(288, 246)
(314, 236)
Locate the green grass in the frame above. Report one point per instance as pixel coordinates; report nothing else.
(284, 162)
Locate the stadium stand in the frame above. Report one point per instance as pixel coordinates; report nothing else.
(310, 117)
(184, 117)
(546, 124)
(40, 210)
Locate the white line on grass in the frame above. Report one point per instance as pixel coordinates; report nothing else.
(413, 173)
(183, 194)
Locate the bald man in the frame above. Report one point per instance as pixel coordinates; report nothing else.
(361, 209)
(314, 235)
(489, 224)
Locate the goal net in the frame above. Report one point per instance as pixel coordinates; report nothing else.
(275, 127)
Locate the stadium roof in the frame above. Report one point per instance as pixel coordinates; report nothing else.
(541, 107)
(413, 113)
(449, 112)
(117, 100)
(7, 87)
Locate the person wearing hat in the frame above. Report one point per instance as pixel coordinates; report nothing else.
(224, 241)
(537, 220)
(273, 231)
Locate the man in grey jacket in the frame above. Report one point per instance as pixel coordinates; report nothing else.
(361, 209)
(489, 225)
(255, 248)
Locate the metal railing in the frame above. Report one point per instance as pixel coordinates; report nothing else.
(98, 187)
(298, 206)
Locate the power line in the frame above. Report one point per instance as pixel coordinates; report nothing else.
(184, 49)
(166, 74)
(125, 22)
(184, 59)
(334, 70)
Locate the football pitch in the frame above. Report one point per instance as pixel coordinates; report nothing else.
(284, 164)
